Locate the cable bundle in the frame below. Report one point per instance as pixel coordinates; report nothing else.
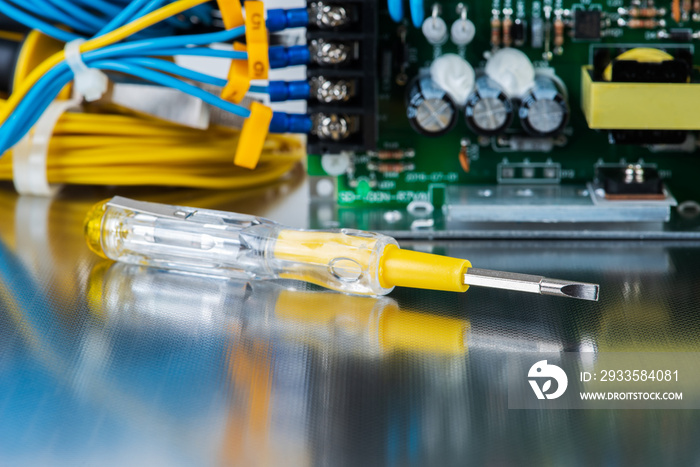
(113, 149)
(133, 149)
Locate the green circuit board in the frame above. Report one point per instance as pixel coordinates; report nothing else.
(408, 166)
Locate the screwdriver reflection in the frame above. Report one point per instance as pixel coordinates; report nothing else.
(134, 295)
(300, 360)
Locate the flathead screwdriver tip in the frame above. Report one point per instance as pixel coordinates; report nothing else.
(531, 284)
(571, 289)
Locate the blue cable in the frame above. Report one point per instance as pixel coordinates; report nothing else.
(28, 111)
(35, 23)
(169, 81)
(417, 13)
(179, 41)
(71, 9)
(108, 9)
(123, 17)
(197, 51)
(173, 69)
(35, 103)
(396, 10)
(50, 13)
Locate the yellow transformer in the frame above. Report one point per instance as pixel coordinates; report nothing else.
(639, 106)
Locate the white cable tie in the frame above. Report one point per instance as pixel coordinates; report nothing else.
(30, 154)
(89, 83)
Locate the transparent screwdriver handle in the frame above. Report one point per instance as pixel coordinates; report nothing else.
(234, 245)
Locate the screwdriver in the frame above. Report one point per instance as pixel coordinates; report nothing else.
(209, 242)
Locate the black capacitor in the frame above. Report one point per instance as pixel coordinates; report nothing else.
(9, 53)
(489, 110)
(681, 34)
(430, 110)
(517, 32)
(544, 110)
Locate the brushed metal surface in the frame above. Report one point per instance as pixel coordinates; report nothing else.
(104, 364)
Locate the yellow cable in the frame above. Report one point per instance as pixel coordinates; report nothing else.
(80, 154)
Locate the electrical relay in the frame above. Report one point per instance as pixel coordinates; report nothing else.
(506, 110)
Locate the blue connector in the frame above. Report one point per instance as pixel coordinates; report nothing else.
(417, 12)
(281, 91)
(283, 122)
(396, 10)
(282, 57)
(279, 19)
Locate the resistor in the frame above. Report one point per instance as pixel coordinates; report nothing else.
(687, 6)
(394, 154)
(696, 10)
(391, 168)
(642, 23)
(495, 31)
(636, 12)
(507, 31)
(558, 36)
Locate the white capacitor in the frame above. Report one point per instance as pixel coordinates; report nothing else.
(462, 32)
(512, 70)
(455, 76)
(435, 30)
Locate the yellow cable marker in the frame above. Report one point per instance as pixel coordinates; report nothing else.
(257, 40)
(240, 246)
(253, 135)
(231, 13)
(238, 79)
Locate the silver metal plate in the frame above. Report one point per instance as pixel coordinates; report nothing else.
(549, 204)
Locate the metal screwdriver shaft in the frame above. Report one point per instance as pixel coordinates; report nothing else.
(532, 284)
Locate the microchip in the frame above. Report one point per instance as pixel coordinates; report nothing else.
(587, 25)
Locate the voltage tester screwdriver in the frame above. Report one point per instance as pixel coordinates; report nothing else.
(241, 246)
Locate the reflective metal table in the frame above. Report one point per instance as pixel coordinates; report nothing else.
(106, 364)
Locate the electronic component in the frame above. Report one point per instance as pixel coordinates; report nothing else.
(637, 76)
(343, 78)
(430, 110)
(544, 110)
(463, 30)
(330, 91)
(496, 27)
(330, 15)
(537, 32)
(239, 246)
(630, 182)
(559, 30)
(334, 127)
(512, 70)
(518, 32)
(641, 23)
(507, 24)
(489, 111)
(332, 53)
(677, 34)
(648, 137)
(435, 29)
(587, 25)
(455, 75)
